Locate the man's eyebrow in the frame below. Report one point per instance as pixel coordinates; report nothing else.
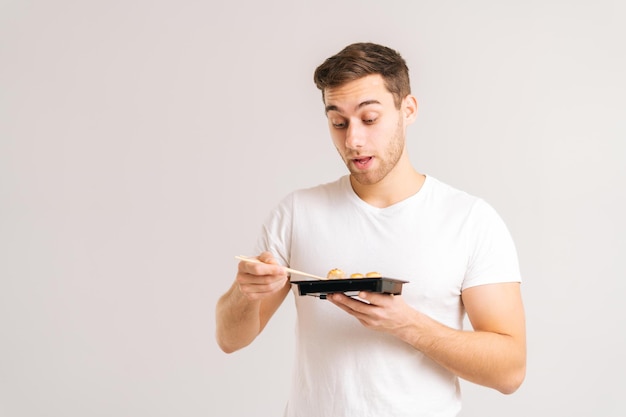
(332, 108)
(362, 104)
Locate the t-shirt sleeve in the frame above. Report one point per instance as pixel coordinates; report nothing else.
(492, 253)
(275, 235)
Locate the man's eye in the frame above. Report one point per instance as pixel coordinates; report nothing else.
(339, 125)
(369, 121)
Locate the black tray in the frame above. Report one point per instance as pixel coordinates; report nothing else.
(350, 286)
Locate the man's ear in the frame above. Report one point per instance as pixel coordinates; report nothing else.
(409, 108)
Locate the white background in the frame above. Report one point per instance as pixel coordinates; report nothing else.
(143, 142)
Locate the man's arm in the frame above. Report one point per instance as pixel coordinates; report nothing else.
(493, 354)
(244, 310)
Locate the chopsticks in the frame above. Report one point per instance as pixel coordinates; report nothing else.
(293, 271)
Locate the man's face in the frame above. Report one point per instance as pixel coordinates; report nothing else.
(366, 127)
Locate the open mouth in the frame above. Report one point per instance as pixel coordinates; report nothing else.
(362, 163)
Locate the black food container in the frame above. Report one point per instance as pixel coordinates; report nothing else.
(350, 286)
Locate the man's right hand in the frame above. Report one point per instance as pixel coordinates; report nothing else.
(244, 310)
(257, 281)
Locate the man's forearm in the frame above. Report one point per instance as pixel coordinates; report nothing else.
(486, 358)
(237, 320)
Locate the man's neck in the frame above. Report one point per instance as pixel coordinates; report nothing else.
(400, 184)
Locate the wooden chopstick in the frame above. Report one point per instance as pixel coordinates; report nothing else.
(293, 271)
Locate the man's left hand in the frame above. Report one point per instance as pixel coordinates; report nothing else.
(384, 312)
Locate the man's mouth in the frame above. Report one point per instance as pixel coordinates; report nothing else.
(362, 163)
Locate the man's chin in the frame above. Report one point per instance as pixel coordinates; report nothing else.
(363, 178)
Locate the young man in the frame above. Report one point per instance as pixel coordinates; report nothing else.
(380, 354)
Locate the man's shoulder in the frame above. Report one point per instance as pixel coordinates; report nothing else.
(452, 200)
(332, 187)
(443, 191)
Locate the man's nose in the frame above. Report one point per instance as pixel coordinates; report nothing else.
(355, 136)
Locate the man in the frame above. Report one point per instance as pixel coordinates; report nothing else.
(380, 354)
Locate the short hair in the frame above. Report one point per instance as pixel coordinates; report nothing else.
(361, 59)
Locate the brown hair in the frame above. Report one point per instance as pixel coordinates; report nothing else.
(361, 59)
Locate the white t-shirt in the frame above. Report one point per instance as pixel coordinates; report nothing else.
(441, 240)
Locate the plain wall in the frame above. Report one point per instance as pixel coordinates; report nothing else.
(143, 142)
